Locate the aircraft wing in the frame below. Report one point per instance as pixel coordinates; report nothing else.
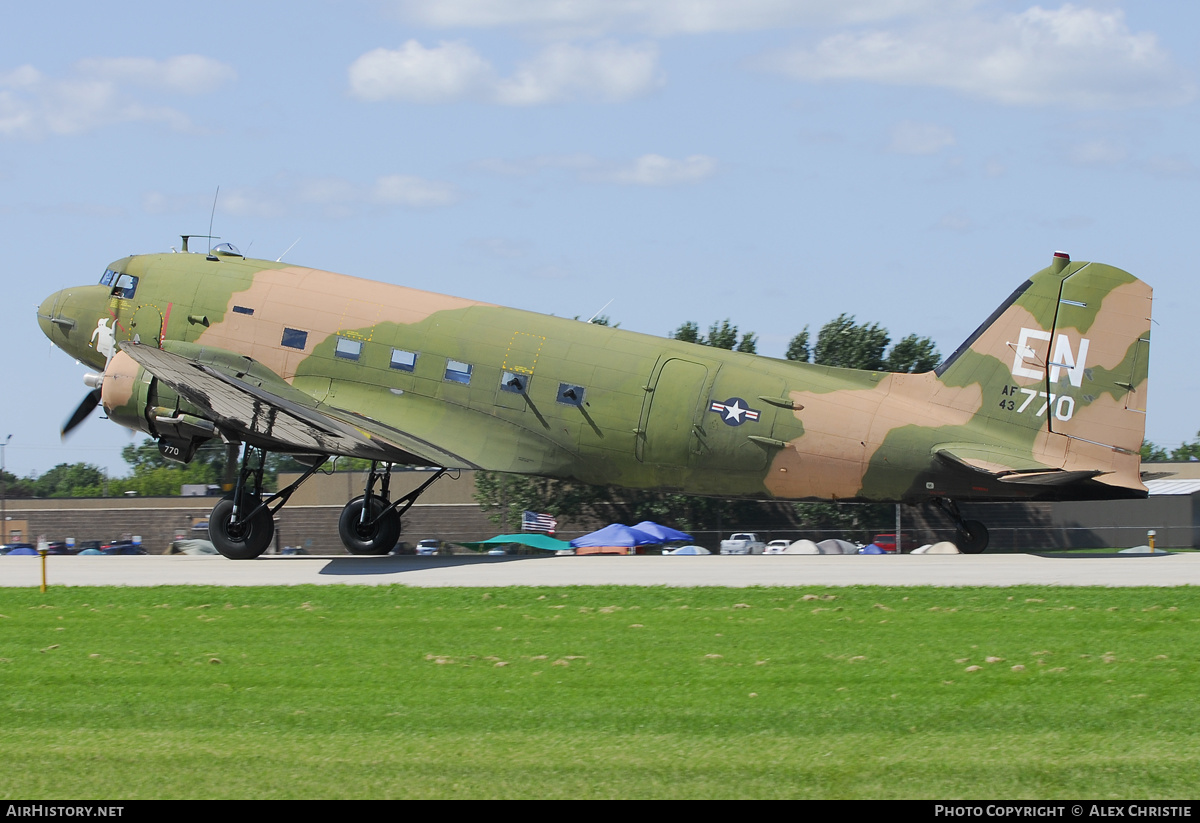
(247, 400)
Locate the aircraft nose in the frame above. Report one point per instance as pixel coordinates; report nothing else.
(45, 313)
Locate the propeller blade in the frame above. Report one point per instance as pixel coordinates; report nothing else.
(89, 403)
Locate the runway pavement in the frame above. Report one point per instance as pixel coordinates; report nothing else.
(764, 570)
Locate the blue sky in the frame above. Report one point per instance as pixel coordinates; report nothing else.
(777, 163)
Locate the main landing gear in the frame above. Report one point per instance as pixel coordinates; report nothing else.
(242, 524)
(972, 535)
(370, 523)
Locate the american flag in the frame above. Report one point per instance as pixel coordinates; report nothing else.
(534, 522)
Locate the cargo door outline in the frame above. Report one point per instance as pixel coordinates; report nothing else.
(678, 392)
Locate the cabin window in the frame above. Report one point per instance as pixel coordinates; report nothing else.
(570, 395)
(515, 383)
(457, 372)
(107, 278)
(294, 339)
(348, 349)
(124, 286)
(403, 360)
(242, 310)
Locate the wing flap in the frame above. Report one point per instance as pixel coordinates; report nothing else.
(244, 398)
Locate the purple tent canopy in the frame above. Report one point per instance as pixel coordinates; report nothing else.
(618, 534)
(664, 534)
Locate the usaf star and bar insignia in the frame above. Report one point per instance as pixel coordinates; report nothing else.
(734, 411)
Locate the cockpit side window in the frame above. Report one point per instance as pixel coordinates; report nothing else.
(108, 277)
(124, 286)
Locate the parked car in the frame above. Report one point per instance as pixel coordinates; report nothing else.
(777, 547)
(122, 547)
(428, 547)
(887, 542)
(743, 543)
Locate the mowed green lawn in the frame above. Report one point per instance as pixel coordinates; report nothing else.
(612, 692)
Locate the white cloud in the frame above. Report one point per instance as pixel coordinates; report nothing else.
(920, 138)
(576, 18)
(445, 72)
(1098, 152)
(95, 94)
(647, 170)
(185, 74)
(333, 197)
(656, 170)
(412, 192)
(1078, 57)
(605, 71)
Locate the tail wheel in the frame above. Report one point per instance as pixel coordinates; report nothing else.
(378, 535)
(972, 537)
(248, 537)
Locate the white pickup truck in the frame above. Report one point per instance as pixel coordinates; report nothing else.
(743, 543)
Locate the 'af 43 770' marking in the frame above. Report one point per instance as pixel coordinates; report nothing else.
(1063, 404)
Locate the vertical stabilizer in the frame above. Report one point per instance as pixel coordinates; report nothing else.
(1067, 354)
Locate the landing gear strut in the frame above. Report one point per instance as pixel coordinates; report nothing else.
(972, 535)
(370, 523)
(242, 523)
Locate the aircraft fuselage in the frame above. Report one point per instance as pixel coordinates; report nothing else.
(508, 390)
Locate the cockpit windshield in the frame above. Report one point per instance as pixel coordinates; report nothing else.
(123, 285)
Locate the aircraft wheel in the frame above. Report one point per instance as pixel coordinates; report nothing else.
(379, 538)
(972, 537)
(244, 540)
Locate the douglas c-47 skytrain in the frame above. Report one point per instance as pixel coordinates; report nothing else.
(1046, 400)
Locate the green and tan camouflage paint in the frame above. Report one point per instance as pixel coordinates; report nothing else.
(1055, 382)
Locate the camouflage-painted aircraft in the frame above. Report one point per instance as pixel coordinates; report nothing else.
(1046, 400)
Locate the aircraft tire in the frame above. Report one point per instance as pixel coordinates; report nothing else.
(378, 539)
(972, 537)
(248, 538)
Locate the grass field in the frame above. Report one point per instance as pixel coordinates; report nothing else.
(609, 692)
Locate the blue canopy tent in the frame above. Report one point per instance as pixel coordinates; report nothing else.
(615, 539)
(665, 534)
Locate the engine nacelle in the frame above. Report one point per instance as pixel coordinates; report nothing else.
(136, 399)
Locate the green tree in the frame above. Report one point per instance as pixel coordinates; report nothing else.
(849, 345)
(723, 335)
(1187, 451)
(912, 354)
(689, 332)
(1152, 453)
(70, 480)
(799, 349)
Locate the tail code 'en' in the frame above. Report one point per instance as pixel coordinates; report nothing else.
(1067, 353)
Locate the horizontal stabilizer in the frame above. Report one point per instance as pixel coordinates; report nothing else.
(991, 460)
(1010, 467)
(1050, 478)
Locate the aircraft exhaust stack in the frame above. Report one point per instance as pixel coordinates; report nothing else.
(1059, 261)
